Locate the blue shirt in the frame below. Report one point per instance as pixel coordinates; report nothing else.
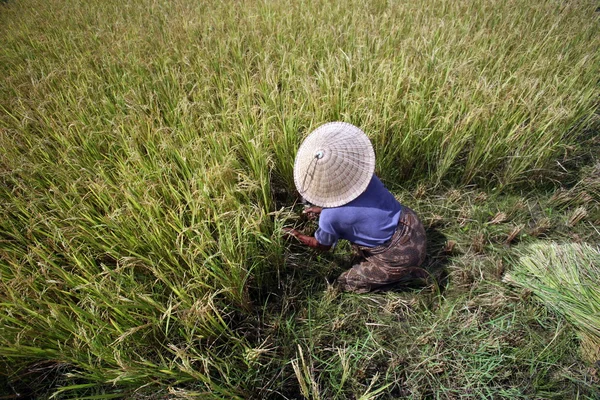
(369, 220)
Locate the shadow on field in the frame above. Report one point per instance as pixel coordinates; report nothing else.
(438, 257)
(37, 380)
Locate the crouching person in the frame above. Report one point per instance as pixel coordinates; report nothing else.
(334, 170)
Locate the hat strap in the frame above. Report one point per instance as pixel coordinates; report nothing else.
(315, 160)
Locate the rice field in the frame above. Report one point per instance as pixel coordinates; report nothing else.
(146, 175)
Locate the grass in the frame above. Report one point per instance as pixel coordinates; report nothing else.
(146, 174)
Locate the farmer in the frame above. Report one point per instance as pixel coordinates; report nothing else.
(334, 170)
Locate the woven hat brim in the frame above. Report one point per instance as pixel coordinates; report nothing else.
(334, 164)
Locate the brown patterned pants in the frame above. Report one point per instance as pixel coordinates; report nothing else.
(395, 261)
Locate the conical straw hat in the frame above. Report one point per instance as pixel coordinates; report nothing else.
(334, 164)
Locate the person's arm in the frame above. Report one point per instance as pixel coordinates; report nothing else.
(309, 241)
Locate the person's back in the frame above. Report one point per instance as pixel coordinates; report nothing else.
(369, 220)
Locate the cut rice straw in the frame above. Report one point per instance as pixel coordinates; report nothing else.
(565, 277)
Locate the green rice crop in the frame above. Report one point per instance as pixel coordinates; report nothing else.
(147, 155)
(447, 90)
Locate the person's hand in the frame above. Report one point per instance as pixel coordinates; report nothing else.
(290, 233)
(310, 241)
(312, 212)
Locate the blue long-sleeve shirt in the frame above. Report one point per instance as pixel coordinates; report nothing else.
(369, 220)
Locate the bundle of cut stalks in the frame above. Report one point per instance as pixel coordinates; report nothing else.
(566, 278)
